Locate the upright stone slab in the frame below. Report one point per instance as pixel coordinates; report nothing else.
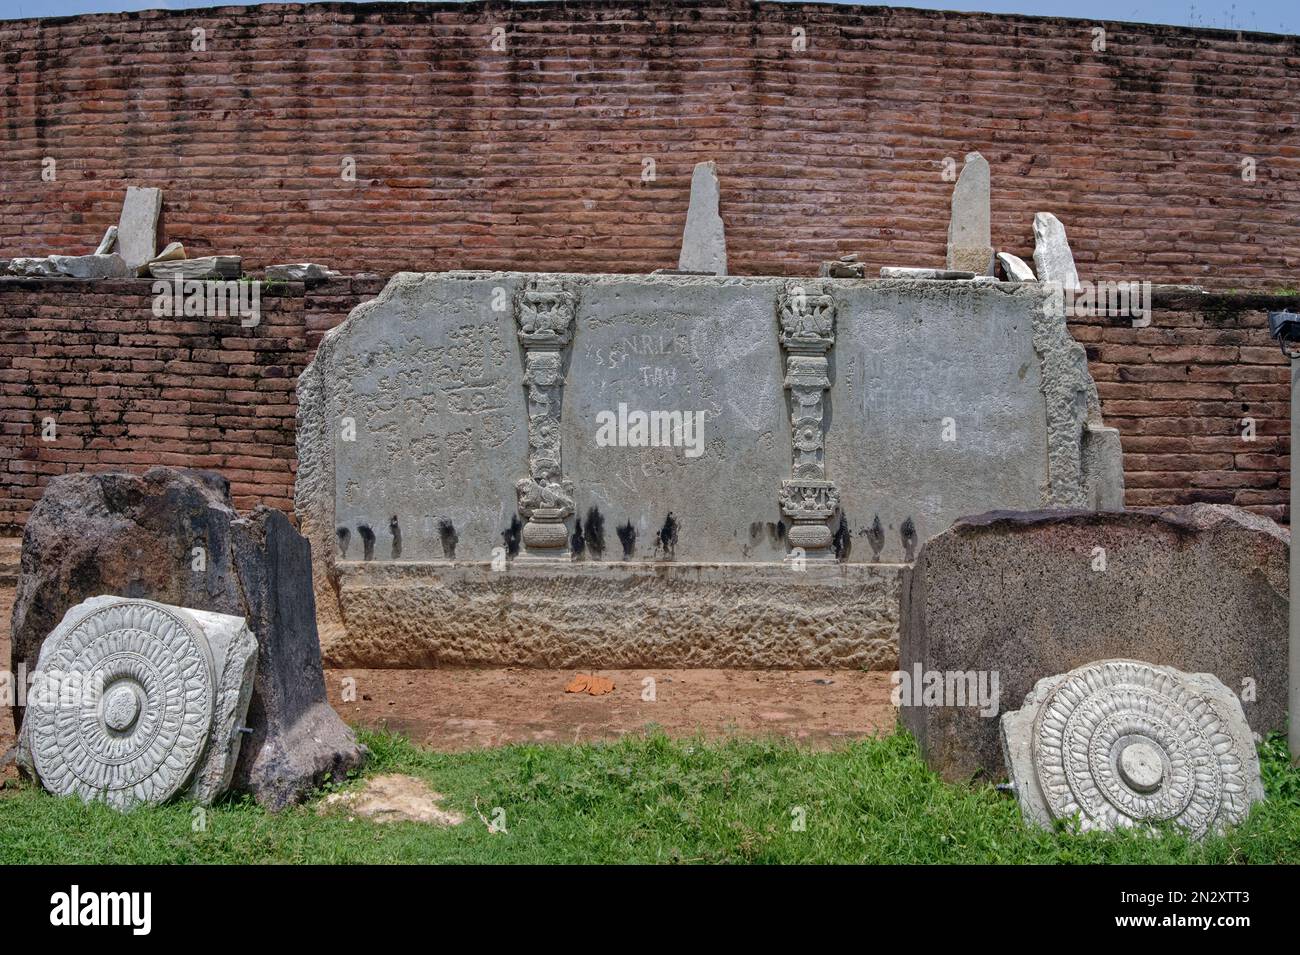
(133, 702)
(1053, 260)
(137, 229)
(172, 537)
(970, 243)
(681, 441)
(704, 241)
(1033, 594)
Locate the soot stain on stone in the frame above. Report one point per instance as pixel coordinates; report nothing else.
(627, 537)
(775, 531)
(875, 538)
(576, 542)
(367, 541)
(666, 541)
(510, 536)
(345, 537)
(755, 531)
(594, 532)
(909, 539)
(448, 537)
(395, 529)
(842, 540)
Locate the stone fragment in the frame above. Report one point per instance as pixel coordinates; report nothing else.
(970, 245)
(947, 275)
(137, 229)
(845, 267)
(134, 702)
(1122, 743)
(299, 272)
(1015, 268)
(204, 267)
(391, 797)
(1053, 260)
(174, 251)
(1026, 595)
(28, 266)
(110, 266)
(106, 244)
(141, 536)
(704, 242)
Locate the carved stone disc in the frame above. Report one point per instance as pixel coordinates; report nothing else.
(128, 704)
(1123, 743)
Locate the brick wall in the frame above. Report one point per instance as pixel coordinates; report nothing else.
(532, 157)
(128, 390)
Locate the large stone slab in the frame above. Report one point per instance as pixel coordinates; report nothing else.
(1029, 595)
(134, 702)
(1053, 260)
(173, 537)
(1125, 744)
(970, 244)
(137, 228)
(704, 240)
(419, 443)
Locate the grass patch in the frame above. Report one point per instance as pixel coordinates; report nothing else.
(645, 799)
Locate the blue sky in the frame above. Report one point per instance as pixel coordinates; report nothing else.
(1269, 16)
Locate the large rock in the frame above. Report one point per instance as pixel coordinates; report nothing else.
(173, 537)
(1027, 595)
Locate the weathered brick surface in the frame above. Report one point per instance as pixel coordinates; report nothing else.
(128, 390)
(532, 157)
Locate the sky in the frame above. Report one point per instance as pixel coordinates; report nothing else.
(1268, 16)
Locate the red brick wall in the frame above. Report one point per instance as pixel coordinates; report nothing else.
(531, 157)
(128, 390)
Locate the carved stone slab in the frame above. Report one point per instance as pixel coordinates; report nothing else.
(1121, 743)
(138, 701)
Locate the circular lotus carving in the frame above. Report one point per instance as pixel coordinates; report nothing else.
(126, 705)
(1124, 743)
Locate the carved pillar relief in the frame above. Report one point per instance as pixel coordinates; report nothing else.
(807, 333)
(544, 320)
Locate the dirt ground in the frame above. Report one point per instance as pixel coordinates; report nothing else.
(458, 709)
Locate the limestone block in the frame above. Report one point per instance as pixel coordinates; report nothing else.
(107, 243)
(704, 241)
(970, 246)
(109, 266)
(299, 272)
(946, 275)
(1015, 268)
(1026, 595)
(1053, 260)
(137, 229)
(1122, 743)
(134, 702)
(203, 267)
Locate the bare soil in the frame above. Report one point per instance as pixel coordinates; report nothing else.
(454, 709)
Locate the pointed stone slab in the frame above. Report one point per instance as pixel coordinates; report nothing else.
(137, 229)
(1016, 269)
(1053, 259)
(704, 244)
(970, 245)
(106, 244)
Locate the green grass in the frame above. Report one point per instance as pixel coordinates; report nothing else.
(645, 799)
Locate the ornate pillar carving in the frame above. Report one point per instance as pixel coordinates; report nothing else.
(807, 320)
(544, 320)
